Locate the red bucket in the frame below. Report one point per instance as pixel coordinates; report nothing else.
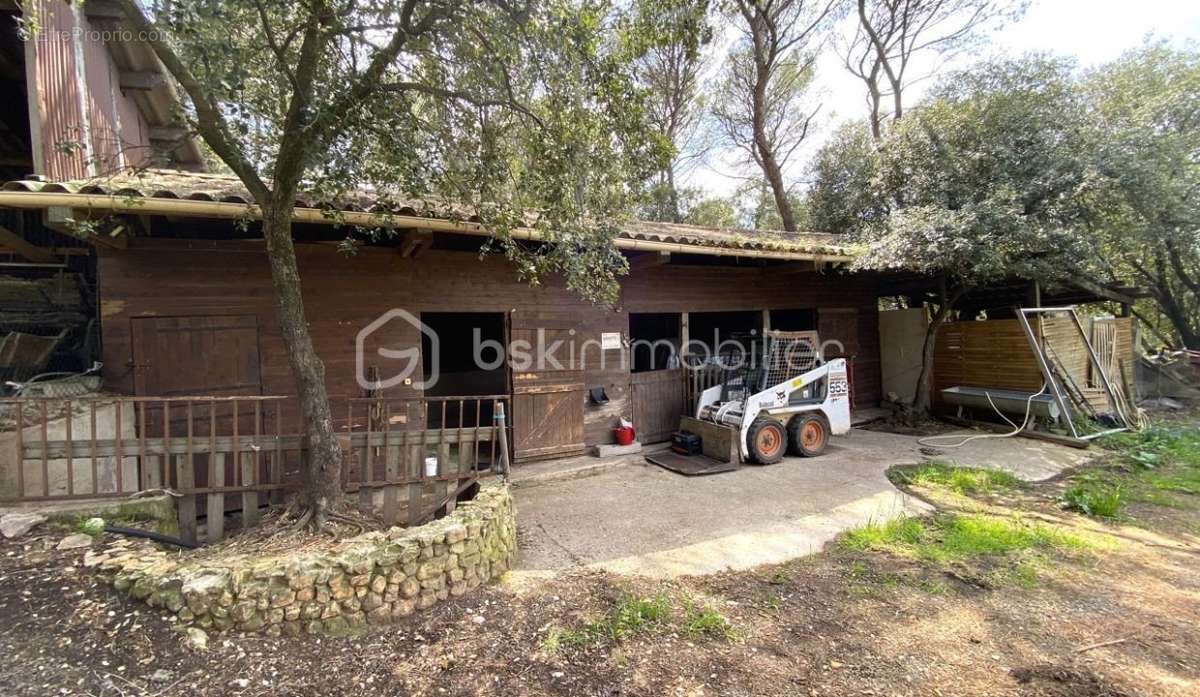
(624, 435)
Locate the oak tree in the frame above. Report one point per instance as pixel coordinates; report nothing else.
(523, 113)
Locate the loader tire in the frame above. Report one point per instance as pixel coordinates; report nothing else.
(766, 441)
(808, 434)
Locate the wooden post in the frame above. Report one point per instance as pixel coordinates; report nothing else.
(187, 503)
(502, 464)
(216, 502)
(249, 498)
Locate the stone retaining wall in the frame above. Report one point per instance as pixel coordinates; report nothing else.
(373, 578)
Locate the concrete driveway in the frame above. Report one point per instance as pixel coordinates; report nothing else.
(642, 519)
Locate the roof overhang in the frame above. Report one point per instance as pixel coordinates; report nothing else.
(206, 209)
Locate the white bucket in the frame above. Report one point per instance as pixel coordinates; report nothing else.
(431, 466)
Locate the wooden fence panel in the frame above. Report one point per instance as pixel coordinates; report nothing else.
(203, 448)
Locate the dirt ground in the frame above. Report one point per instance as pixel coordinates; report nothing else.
(1117, 620)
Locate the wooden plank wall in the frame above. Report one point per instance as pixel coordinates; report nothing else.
(343, 294)
(995, 353)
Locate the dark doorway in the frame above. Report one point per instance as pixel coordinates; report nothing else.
(468, 366)
(724, 333)
(468, 362)
(654, 340)
(804, 320)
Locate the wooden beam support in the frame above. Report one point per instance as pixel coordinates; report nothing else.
(141, 80)
(649, 260)
(25, 248)
(168, 133)
(415, 242)
(103, 9)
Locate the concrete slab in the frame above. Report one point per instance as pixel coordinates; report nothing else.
(640, 519)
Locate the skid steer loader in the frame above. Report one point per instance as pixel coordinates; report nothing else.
(793, 403)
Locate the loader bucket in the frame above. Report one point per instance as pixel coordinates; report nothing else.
(717, 441)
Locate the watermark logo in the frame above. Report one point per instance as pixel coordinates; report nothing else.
(408, 358)
(778, 358)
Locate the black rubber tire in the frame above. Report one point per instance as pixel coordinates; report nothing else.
(808, 434)
(766, 441)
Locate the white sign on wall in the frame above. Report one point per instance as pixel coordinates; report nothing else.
(610, 341)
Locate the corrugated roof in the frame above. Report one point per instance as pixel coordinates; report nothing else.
(220, 188)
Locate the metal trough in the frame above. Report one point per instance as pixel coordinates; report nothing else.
(1008, 401)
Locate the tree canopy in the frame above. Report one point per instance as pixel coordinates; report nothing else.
(1144, 219)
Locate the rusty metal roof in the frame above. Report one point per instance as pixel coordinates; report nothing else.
(220, 188)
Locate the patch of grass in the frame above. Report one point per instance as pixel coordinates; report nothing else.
(558, 637)
(633, 614)
(1095, 497)
(961, 480)
(1157, 446)
(705, 621)
(1186, 480)
(1026, 574)
(780, 578)
(930, 586)
(947, 538)
(885, 536)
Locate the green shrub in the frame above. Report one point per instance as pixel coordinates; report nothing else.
(1095, 498)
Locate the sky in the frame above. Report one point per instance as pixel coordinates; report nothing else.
(1091, 31)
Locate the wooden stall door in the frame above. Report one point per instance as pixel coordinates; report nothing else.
(657, 403)
(203, 355)
(196, 355)
(548, 389)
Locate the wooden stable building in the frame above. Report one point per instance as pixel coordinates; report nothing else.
(186, 307)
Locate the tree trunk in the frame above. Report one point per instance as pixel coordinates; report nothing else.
(775, 179)
(673, 196)
(923, 400)
(876, 119)
(323, 466)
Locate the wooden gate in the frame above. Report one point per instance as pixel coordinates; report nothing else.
(658, 402)
(547, 380)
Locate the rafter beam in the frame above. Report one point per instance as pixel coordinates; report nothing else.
(140, 79)
(415, 242)
(25, 248)
(168, 133)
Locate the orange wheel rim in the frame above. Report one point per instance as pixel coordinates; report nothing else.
(769, 441)
(812, 434)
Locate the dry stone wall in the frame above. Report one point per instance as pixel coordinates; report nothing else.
(374, 578)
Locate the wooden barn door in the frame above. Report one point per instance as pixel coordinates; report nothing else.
(196, 356)
(657, 403)
(840, 324)
(548, 392)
